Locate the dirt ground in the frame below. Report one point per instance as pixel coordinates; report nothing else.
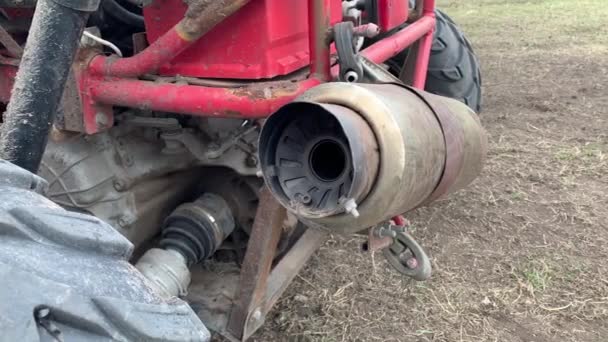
(522, 254)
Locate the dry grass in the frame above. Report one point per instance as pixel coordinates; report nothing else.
(521, 255)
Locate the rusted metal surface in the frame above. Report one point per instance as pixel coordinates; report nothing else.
(454, 142)
(319, 18)
(255, 270)
(411, 144)
(201, 17)
(376, 241)
(13, 48)
(69, 116)
(284, 273)
(254, 101)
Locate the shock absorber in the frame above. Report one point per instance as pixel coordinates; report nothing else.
(191, 234)
(43, 72)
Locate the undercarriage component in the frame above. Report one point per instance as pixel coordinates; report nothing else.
(192, 233)
(261, 284)
(120, 177)
(351, 69)
(66, 276)
(135, 174)
(197, 229)
(347, 157)
(167, 270)
(42, 75)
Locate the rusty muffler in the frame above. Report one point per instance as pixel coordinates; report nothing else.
(349, 156)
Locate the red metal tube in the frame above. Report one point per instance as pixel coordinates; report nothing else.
(428, 8)
(197, 21)
(319, 17)
(424, 48)
(422, 60)
(149, 60)
(393, 45)
(255, 101)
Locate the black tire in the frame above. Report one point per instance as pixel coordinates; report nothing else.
(453, 68)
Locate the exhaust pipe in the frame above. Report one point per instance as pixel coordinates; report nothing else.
(346, 157)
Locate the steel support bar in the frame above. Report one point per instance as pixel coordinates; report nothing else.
(254, 101)
(261, 250)
(285, 271)
(14, 49)
(319, 22)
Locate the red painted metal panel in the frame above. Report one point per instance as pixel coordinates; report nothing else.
(266, 38)
(392, 13)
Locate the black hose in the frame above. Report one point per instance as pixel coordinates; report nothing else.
(122, 14)
(49, 52)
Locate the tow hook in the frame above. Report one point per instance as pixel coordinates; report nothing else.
(400, 249)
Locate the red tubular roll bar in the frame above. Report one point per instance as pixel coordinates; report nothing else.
(149, 60)
(247, 102)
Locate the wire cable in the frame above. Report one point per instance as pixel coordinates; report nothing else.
(103, 42)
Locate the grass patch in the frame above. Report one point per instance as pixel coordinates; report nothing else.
(537, 276)
(523, 25)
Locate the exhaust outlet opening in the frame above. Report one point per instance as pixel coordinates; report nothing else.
(402, 148)
(313, 157)
(327, 160)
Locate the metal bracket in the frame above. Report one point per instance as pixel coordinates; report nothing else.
(351, 69)
(401, 251)
(261, 285)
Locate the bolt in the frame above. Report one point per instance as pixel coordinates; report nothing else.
(101, 120)
(367, 30)
(256, 315)
(123, 221)
(350, 206)
(43, 312)
(411, 263)
(351, 76)
(303, 198)
(119, 185)
(251, 161)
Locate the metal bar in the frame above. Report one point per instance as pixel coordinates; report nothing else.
(428, 8)
(285, 271)
(423, 53)
(393, 45)
(291, 264)
(40, 82)
(10, 44)
(196, 22)
(319, 17)
(255, 270)
(254, 101)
